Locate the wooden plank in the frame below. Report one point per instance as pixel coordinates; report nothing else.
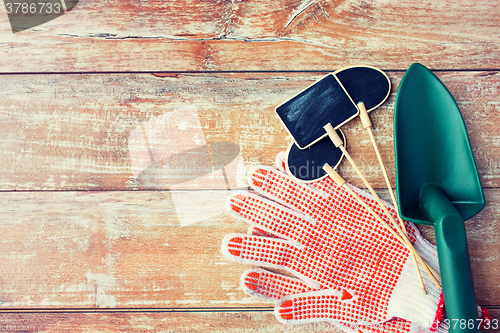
(119, 249)
(256, 35)
(74, 132)
(112, 249)
(237, 321)
(151, 322)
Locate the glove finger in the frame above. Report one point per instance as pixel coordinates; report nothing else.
(270, 217)
(320, 306)
(257, 250)
(279, 187)
(336, 306)
(271, 286)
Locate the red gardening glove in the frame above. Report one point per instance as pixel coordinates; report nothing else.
(272, 287)
(356, 271)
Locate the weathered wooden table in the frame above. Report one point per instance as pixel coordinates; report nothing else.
(107, 224)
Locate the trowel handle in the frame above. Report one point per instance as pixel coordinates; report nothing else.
(454, 261)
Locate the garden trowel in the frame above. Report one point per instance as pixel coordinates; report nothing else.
(437, 182)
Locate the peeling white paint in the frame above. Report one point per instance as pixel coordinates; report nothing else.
(487, 259)
(102, 283)
(116, 227)
(228, 285)
(49, 303)
(146, 302)
(236, 300)
(188, 301)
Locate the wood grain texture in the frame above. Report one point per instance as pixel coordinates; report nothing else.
(118, 35)
(152, 322)
(244, 321)
(102, 210)
(113, 249)
(122, 249)
(72, 132)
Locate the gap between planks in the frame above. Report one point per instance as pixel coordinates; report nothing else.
(140, 310)
(170, 73)
(161, 310)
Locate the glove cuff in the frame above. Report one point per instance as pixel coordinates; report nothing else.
(410, 303)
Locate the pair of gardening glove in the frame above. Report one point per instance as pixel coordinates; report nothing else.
(341, 265)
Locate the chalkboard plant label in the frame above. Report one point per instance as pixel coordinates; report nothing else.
(304, 115)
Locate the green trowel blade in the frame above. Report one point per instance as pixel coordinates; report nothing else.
(432, 147)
